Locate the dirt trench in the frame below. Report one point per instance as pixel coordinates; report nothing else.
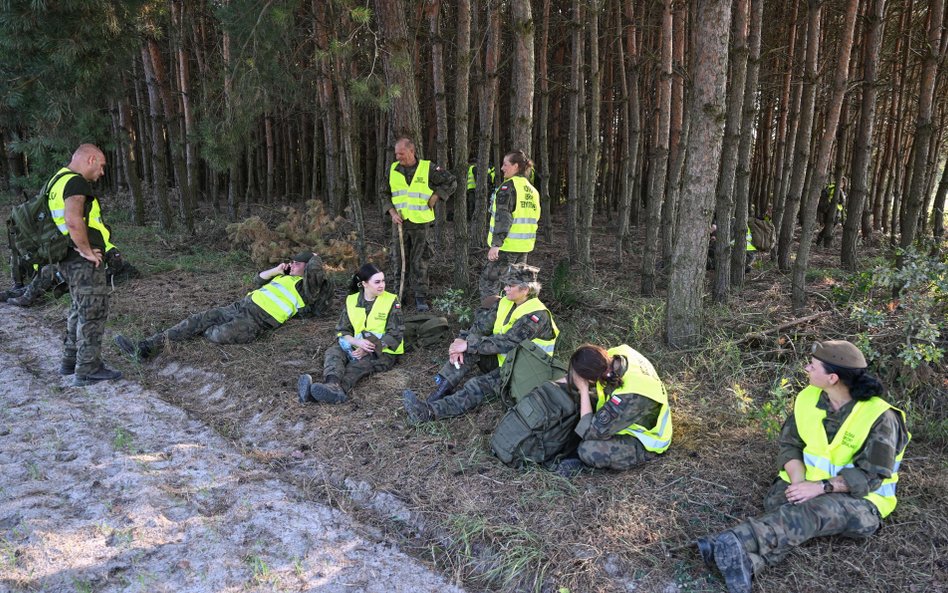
(108, 488)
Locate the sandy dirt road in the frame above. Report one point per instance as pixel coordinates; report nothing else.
(108, 488)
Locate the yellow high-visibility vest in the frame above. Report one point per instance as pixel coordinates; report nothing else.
(640, 378)
(525, 213)
(529, 306)
(750, 240)
(279, 298)
(376, 321)
(57, 208)
(411, 199)
(471, 182)
(824, 460)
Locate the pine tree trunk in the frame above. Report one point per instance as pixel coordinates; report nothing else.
(399, 66)
(572, 170)
(835, 106)
(789, 119)
(742, 177)
(433, 9)
(658, 169)
(461, 117)
(938, 210)
(914, 197)
(487, 100)
(724, 201)
(543, 159)
(678, 130)
(683, 305)
(131, 162)
(801, 160)
(184, 83)
(523, 75)
(875, 23)
(158, 148)
(592, 132)
(348, 132)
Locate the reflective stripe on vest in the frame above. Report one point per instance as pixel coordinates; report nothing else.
(95, 222)
(640, 378)
(57, 201)
(824, 460)
(279, 298)
(379, 317)
(471, 182)
(750, 240)
(526, 214)
(411, 200)
(529, 306)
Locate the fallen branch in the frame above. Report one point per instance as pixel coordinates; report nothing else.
(799, 321)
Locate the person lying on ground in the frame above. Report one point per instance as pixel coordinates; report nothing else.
(498, 328)
(298, 287)
(625, 419)
(840, 452)
(370, 339)
(50, 279)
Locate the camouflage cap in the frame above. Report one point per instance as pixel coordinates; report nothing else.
(519, 274)
(839, 353)
(303, 257)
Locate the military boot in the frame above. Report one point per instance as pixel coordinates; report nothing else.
(302, 388)
(443, 388)
(330, 392)
(706, 549)
(22, 301)
(103, 373)
(418, 411)
(733, 563)
(67, 366)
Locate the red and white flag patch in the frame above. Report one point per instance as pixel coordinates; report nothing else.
(535, 319)
(616, 400)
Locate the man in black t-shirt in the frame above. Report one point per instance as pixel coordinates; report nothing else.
(76, 211)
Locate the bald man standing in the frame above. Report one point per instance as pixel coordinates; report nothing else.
(76, 212)
(412, 189)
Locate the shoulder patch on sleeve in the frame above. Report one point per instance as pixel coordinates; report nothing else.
(504, 186)
(616, 400)
(535, 319)
(398, 305)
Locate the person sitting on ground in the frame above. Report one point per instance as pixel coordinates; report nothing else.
(370, 333)
(629, 422)
(49, 278)
(840, 452)
(285, 290)
(498, 328)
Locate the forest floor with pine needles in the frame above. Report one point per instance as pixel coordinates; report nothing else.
(437, 491)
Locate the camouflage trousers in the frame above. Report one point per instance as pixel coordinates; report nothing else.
(87, 314)
(768, 538)
(238, 323)
(337, 365)
(474, 392)
(45, 280)
(621, 452)
(418, 253)
(489, 283)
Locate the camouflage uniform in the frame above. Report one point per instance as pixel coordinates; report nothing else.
(338, 366)
(82, 344)
(601, 447)
(243, 321)
(489, 282)
(417, 236)
(767, 539)
(482, 350)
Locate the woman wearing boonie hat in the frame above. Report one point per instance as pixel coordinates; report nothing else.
(840, 452)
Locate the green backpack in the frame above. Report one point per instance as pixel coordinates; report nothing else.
(526, 367)
(424, 330)
(539, 428)
(33, 236)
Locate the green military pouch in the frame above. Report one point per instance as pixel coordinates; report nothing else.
(538, 428)
(425, 330)
(526, 367)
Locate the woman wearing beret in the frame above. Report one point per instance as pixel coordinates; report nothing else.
(839, 458)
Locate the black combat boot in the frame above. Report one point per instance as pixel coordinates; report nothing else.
(103, 373)
(733, 563)
(330, 393)
(302, 388)
(706, 549)
(67, 366)
(444, 388)
(418, 411)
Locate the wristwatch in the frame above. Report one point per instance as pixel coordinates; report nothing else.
(827, 486)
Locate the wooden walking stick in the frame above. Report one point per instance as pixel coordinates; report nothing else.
(401, 249)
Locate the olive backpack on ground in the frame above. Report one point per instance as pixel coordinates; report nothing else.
(762, 234)
(33, 236)
(424, 330)
(541, 415)
(539, 428)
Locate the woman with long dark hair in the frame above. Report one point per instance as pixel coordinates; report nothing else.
(839, 458)
(624, 416)
(370, 338)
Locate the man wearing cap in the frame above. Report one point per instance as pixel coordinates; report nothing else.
(411, 191)
(285, 290)
(499, 326)
(840, 452)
